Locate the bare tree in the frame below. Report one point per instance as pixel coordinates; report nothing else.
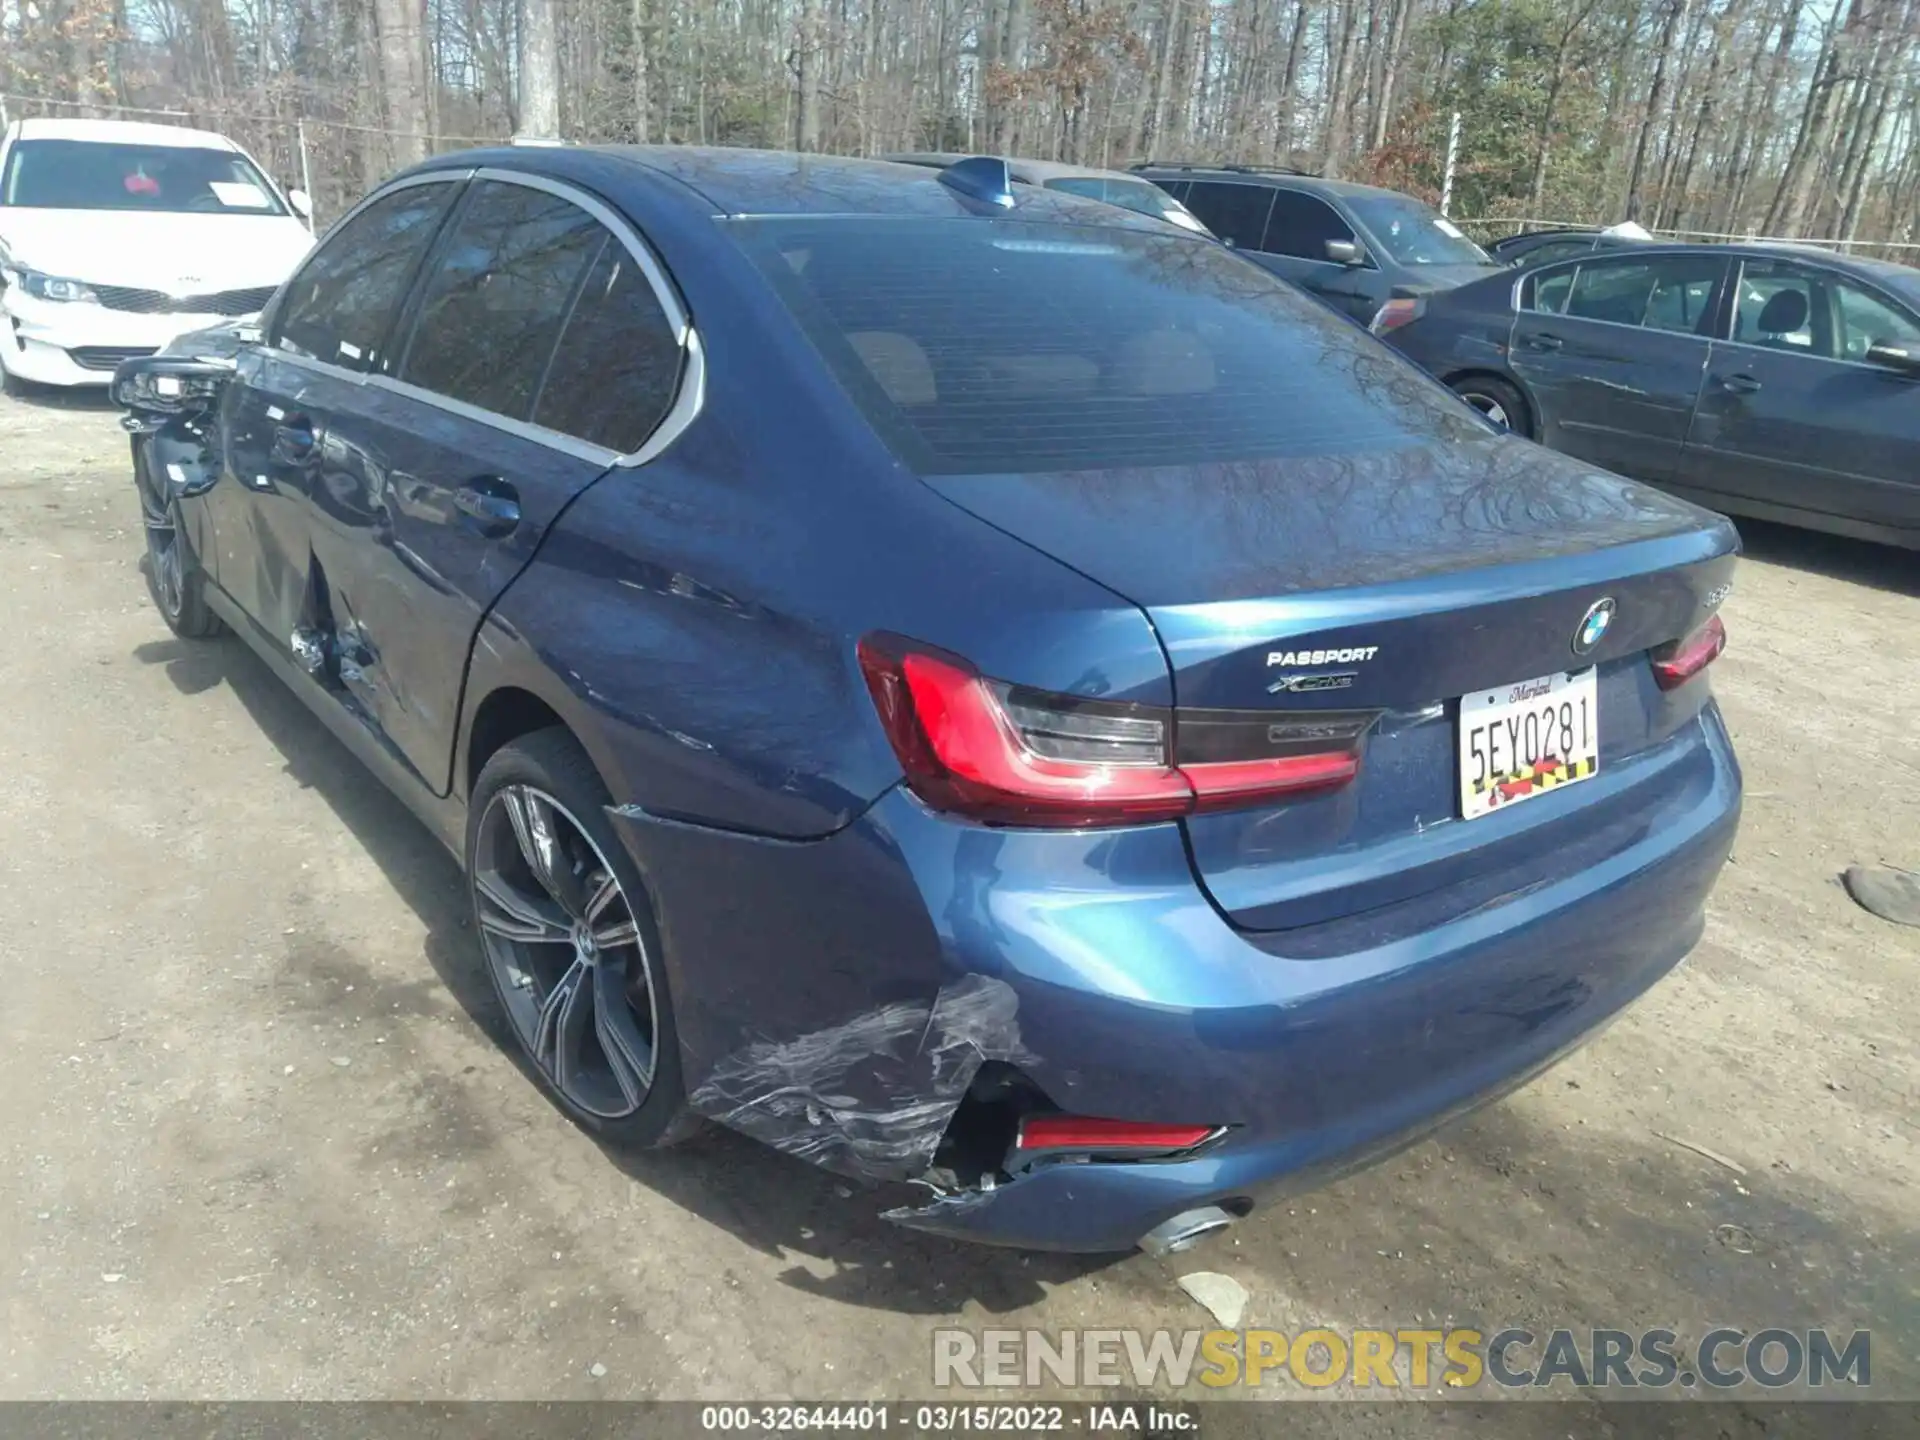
(1789, 116)
(539, 70)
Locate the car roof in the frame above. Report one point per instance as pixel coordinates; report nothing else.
(122, 132)
(736, 182)
(1887, 273)
(1248, 174)
(1040, 170)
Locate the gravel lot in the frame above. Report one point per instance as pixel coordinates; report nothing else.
(261, 1141)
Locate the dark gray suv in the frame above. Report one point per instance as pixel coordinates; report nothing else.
(1354, 246)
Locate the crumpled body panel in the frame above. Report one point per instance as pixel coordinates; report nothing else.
(873, 1096)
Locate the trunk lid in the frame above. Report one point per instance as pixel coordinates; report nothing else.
(1395, 581)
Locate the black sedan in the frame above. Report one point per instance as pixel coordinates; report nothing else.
(1777, 382)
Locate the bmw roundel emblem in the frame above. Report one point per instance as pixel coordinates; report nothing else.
(1593, 625)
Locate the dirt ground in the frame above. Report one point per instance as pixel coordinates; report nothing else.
(260, 1140)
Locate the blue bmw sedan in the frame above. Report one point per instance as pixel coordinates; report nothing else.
(957, 682)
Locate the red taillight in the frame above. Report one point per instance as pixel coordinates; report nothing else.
(1394, 314)
(1675, 664)
(1011, 755)
(1081, 1132)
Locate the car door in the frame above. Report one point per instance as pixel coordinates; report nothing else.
(1299, 229)
(325, 332)
(1795, 415)
(538, 350)
(1612, 351)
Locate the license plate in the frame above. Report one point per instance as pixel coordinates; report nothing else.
(1518, 741)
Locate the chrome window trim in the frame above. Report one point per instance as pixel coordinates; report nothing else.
(522, 429)
(642, 253)
(687, 404)
(689, 396)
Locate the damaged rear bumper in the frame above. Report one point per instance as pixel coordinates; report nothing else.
(836, 999)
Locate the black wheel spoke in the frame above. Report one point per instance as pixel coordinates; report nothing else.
(505, 912)
(599, 897)
(628, 1056)
(566, 1019)
(533, 830)
(611, 937)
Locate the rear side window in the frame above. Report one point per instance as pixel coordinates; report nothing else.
(617, 367)
(1004, 346)
(1302, 225)
(1236, 213)
(1672, 292)
(340, 305)
(497, 297)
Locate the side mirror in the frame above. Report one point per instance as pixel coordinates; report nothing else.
(1346, 252)
(302, 203)
(1900, 358)
(161, 388)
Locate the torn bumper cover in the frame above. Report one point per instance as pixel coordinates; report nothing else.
(871, 1097)
(837, 998)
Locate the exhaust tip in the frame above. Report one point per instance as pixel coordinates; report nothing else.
(1185, 1230)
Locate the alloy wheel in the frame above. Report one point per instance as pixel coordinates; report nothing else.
(1489, 407)
(568, 957)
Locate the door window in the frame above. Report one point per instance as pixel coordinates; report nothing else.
(1780, 309)
(1815, 312)
(339, 306)
(1548, 293)
(1301, 225)
(1866, 320)
(1236, 213)
(1671, 292)
(498, 296)
(616, 369)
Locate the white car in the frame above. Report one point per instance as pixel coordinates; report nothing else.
(116, 237)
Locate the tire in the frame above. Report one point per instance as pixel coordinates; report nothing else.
(174, 577)
(1498, 401)
(578, 973)
(13, 387)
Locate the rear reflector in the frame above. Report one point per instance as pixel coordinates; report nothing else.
(1012, 755)
(1679, 662)
(1081, 1132)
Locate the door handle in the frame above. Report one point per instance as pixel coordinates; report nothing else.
(1544, 340)
(1739, 384)
(293, 440)
(492, 507)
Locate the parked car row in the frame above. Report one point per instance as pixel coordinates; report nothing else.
(1761, 380)
(962, 682)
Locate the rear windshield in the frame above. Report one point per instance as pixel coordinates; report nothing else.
(991, 346)
(1415, 235)
(90, 175)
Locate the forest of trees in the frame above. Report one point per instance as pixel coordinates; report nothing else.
(1775, 117)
